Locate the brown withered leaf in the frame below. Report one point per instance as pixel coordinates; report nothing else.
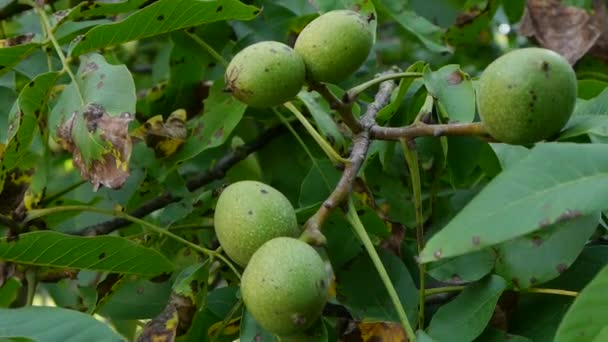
(568, 30)
(162, 328)
(102, 153)
(164, 137)
(376, 332)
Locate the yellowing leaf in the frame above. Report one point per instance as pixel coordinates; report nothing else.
(382, 332)
(164, 137)
(231, 328)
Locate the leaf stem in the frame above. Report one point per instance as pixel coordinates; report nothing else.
(354, 92)
(411, 157)
(37, 213)
(359, 229)
(49, 32)
(208, 48)
(436, 290)
(325, 146)
(551, 291)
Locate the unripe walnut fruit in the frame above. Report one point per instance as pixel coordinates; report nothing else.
(249, 213)
(285, 286)
(265, 74)
(334, 45)
(526, 95)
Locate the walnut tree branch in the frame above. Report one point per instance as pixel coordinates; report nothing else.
(361, 142)
(421, 130)
(218, 171)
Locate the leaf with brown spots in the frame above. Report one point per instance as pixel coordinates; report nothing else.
(533, 258)
(100, 145)
(568, 30)
(164, 137)
(453, 91)
(376, 332)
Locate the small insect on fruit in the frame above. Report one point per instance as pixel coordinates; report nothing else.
(265, 74)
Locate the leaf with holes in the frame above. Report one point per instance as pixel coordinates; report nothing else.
(41, 324)
(162, 17)
(103, 253)
(586, 317)
(555, 182)
(453, 90)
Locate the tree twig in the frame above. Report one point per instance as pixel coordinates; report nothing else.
(218, 171)
(422, 130)
(361, 142)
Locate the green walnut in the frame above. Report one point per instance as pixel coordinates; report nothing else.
(249, 213)
(285, 286)
(334, 45)
(526, 95)
(265, 74)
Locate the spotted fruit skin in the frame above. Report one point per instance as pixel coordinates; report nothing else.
(284, 286)
(526, 95)
(265, 74)
(249, 213)
(334, 45)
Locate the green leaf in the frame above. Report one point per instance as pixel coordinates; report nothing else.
(318, 183)
(495, 335)
(222, 114)
(42, 324)
(476, 22)
(86, 10)
(103, 253)
(9, 291)
(467, 315)
(361, 291)
(191, 280)
(543, 255)
(553, 183)
(99, 82)
(136, 299)
(509, 155)
(162, 17)
(252, 331)
(468, 267)
(11, 56)
(430, 35)
(586, 266)
(454, 91)
(586, 317)
(321, 114)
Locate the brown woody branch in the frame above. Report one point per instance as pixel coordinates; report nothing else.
(361, 142)
(218, 171)
(421, 130)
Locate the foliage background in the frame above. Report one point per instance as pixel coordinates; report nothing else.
(520, 229)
